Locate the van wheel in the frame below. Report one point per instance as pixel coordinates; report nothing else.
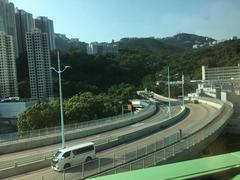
(66, 166)
(88, 159)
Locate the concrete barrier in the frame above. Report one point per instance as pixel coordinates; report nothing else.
(100, 147)
(152, 128)
(210, 101)
(189, 149)
(197, 148)
(9, 147)
(22, 169)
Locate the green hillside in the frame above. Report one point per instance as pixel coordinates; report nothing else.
(149, 45)
(137, 63)
(186, 41)
(223, 54)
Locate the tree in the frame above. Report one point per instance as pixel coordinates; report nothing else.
(88, 106)
(122, 92)
(39, 116)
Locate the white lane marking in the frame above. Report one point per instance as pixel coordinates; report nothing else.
(137, 125)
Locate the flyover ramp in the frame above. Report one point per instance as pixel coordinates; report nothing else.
(185, 148)
(46, 152)
(48, 136)
(108, 155)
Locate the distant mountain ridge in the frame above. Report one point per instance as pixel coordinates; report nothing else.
(187, 41)
(158, 46)
(150, 45)
(165, 46)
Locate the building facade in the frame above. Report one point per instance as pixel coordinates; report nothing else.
(8, 74)
(39, 64)
(221, 73)
(225, 78)
(46, 26)
(24, 23)
(102, 48)
(8, 22)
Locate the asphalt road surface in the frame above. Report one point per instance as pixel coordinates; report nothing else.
(198, 113)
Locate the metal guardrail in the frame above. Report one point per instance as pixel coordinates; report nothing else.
(140, 156)
(44, 156)
(144, 156)
(176, 148)
(48, 155)
(71, 127)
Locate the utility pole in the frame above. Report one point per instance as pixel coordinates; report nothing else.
(183, 90)
(60, 96)
(169, 94)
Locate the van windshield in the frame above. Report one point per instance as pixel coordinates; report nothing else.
(57, 154)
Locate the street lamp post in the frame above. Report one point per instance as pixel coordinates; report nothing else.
(60, 96)
(169, 88)
(183, 103)
(169, 94)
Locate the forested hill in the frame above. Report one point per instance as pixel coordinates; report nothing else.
(186, 41)
(165, 46)
(223, 54)
(138, 68)
(149, 45)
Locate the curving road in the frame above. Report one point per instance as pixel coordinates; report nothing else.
(7, 160)
(199, 113)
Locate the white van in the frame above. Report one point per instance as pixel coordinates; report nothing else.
(73, 156)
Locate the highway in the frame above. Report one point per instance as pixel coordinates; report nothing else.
(8, 160)
(198, 113)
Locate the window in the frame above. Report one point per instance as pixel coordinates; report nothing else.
(83, 150)
(66, 154)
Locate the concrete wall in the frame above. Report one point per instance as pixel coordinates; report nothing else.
(210, 101)
(24, 144)
(99, 147)
(152, 128)
(187, 153)
(197, 148)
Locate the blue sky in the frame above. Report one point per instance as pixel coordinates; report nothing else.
(104, 20)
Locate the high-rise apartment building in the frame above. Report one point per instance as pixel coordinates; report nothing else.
(39, 64)
(8, 21)
(46, 26)
(8, 75)
(24, 23)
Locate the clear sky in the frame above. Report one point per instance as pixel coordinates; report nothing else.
(104, 20)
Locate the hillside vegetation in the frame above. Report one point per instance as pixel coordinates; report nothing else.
(223, 54)
(109, 80)
(186, 41)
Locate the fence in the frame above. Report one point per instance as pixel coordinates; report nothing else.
(71, 127)
(139, 156)
(98, 141)
(144, 156)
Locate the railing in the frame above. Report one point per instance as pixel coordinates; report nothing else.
(139, 157)
(23, 160)
(70, 127)
(18, 162)
(176, 148)
(145, 156)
